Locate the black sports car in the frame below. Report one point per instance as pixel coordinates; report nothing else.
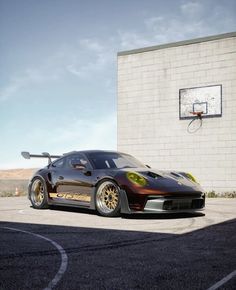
(112, 183)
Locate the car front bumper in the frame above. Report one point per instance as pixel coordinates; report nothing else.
(173, 205)
(162, 204)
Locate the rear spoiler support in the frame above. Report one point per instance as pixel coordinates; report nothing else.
(27, 155)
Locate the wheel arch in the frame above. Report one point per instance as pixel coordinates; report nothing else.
(123, 196)
(107, 178)
(93, 197)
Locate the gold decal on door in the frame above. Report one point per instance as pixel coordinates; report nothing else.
(70, 196)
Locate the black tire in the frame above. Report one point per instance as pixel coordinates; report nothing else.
(38, 193)
(107, 199)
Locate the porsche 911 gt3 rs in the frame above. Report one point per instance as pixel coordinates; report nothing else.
(112, 183)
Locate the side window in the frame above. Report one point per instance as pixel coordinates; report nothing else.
(59, 163)
(75, 161)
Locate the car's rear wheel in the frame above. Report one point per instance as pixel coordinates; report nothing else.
(108, 199)
(38, 193)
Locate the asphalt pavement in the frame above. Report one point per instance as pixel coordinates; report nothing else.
(77, 249)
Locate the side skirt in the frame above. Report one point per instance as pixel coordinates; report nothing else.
(69, 203)
(74, 200)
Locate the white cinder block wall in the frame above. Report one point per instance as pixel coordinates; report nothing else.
(149, 127)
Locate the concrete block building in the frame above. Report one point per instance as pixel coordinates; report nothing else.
(162, 88)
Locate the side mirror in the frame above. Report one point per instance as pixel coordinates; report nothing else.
(25, 154)
(78, 166)
(81, 167)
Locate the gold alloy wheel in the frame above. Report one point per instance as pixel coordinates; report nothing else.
(107, 197)
(37, 192)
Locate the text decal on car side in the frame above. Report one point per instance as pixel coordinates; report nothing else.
(71, 196)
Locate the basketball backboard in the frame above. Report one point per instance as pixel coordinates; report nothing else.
(207, 100)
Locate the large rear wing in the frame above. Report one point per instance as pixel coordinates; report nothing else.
(27, 155)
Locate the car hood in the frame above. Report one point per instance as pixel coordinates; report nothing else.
(160, 180)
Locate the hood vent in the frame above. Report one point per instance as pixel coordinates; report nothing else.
(154, 175)
(176, 174)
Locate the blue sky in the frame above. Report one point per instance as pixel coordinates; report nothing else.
(58, 65)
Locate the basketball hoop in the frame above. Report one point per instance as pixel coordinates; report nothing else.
(196, 122)
(198, 114)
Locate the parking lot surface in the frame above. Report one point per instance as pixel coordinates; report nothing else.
(67, 248)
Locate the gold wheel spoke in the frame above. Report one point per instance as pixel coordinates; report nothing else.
(37, 192)
(108, 197)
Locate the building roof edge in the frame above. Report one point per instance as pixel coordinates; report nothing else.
(179, 43)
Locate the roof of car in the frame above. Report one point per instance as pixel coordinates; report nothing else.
(92, 151)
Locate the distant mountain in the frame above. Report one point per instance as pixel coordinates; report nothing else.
(20, 173)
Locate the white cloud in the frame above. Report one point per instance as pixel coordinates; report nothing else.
(131, 40)
(91, 44)
(154, 23)
(76, 134)
(14, 86)
(89, 57)
(191, 8)
(28, 77)
(92, 57)
(88, 134)
(10, 89)
(96, 64)
(193, 19)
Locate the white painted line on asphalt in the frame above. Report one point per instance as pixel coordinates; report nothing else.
(223, 281)
(21, 211)
(64, 258)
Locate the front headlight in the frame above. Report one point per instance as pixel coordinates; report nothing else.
(191, 177)
(136, 178)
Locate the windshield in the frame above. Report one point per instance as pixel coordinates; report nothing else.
(113, 160)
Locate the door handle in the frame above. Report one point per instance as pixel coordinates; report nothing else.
(60, 177)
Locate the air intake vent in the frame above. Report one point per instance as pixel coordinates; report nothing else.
(154, 175)
(176, 174)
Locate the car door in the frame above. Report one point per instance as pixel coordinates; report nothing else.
(73, 180)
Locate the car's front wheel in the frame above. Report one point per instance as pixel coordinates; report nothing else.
(108, 199)
(38, 193)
